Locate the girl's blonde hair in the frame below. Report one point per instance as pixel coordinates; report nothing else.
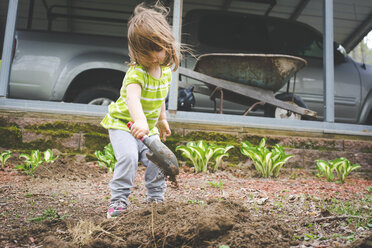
(149, 31)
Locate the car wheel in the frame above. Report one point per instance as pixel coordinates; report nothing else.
(279, 113)
(97, 96)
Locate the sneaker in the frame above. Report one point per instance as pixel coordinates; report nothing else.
(116, 208)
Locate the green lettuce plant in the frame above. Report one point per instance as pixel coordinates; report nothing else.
(32, 161)
(325, 169)
(49, 156)
(342, 166)
(106, 157)
(267, 162)
(201, 154)
(4, 156)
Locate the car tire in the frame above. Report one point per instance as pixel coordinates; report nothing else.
(279, 113)
(97, 96)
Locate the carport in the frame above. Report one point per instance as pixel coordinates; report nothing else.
(346, 22)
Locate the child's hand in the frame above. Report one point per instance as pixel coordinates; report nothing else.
(164, 129)
(139, 129)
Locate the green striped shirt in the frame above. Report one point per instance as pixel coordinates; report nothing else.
(153, 94)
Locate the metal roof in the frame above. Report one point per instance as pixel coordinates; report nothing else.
(352, 18)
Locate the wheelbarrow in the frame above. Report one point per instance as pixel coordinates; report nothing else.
(248, 79)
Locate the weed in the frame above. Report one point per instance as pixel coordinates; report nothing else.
(49, 214)
(133, 199)
(218, 185)
(353, 209)
(29, 195)
(199, 202)
(369, 189)
(278, 204)
(293, 176)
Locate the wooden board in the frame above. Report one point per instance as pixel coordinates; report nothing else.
(247, 91)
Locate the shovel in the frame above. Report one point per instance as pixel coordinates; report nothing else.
(161, 155)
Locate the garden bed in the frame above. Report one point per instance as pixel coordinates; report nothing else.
(64, 205)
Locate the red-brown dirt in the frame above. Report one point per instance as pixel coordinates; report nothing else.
(64, 205)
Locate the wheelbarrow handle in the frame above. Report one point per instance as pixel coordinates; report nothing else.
(130, 124)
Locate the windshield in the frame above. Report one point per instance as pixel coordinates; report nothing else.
(254, 34)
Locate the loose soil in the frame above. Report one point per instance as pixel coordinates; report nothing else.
(64, 205)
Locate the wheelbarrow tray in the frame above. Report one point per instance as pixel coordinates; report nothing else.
(243, 92)
(266, 71)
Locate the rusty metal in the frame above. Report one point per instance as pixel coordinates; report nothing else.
(294, 87)
(252, 107)
(267, 71)
(221, 101)
(213, 98)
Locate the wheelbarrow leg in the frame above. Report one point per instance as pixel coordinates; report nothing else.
(293, 87)
(254, 105)
(213, 97)
(221, 101)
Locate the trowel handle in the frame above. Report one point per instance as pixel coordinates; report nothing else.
(130, 124)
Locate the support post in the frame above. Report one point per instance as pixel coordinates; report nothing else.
(177, 23)
(8, 47)
(328, 62)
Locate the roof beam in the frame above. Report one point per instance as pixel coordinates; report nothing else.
(8, 47)
(177, 30)
(298, 10)
(328, 62)
(352, 40)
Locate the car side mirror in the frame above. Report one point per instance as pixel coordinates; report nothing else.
(340, 54)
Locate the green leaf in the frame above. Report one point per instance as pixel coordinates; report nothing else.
(106, 157)
(262, 143)
(267, 163)
(4, 156)
(201, 154)
(343, 167)
(49, 156)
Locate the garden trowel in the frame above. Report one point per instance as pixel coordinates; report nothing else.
(161, 155)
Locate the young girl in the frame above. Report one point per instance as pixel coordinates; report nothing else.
(153, 51)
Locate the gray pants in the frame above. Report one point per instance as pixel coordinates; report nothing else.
(128, 152)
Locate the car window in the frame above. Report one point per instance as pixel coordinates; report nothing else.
(294, 39)
(239, 33)
(253, 34)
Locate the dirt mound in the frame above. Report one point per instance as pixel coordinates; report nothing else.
(69, 168)
(175, 224)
